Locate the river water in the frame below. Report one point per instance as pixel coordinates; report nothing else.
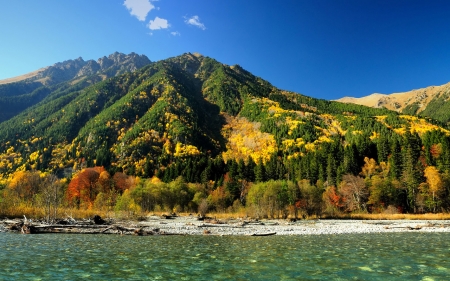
(393, 256)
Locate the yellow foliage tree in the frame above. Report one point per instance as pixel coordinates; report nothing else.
(435, 183)
(434, 179)
(370, 167)
(25, 184)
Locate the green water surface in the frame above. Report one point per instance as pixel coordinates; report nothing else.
(401, 256)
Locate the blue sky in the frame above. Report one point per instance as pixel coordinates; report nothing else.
(321, 48)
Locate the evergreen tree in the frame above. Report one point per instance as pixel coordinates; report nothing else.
(395, 160)
(331, 170)
(207, 172)
(382, 149)
(271, 168)
(232, 170)
(250, 170)
(241, 169)
(281, 169)
(260, 171)
(412, 170)
(350, 164)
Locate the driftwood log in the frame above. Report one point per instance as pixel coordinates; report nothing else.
(84, 229)
(264, 234)
(405, 227)
(97, 226)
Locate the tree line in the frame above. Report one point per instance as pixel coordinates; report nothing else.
(400, 174)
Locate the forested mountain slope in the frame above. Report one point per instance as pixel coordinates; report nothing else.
(215, 124)
(19, 93)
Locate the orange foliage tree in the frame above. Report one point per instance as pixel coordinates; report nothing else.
(122, 181)
(436, 150)
(332, 199)
(85, 186)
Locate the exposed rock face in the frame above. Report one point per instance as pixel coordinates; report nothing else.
(105, 62)
(90, 68)
(128, 63)
(114, 64)
(119, 63)
(61, 71)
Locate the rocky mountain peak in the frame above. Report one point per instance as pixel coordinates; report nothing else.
(115, 64)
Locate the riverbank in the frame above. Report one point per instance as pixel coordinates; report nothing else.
(191, 225)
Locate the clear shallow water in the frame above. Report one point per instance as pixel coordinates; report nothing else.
(397, 256)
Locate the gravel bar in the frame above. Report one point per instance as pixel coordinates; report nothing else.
(192, 226)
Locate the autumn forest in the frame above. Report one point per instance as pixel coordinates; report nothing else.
(190, 134)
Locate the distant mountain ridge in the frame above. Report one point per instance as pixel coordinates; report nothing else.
(19, 93)
(114, 64)
(431, 101)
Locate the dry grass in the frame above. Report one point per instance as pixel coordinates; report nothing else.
(227, 216)
(216, 215)
(439, 216)
(362, 216)
(423, 96)
(370, 100)
(20, 211)
(39, 213)
(21, 77)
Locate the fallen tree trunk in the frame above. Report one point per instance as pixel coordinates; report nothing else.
(98, 226)
(264, 234)
(29, 228)
(404, 227)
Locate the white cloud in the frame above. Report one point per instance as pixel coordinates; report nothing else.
(139, 8)
(158, 23)
(195, 21)
(175, 33)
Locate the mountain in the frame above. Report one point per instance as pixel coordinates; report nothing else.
(221, 126)
(189, 105)
(19, 93)
(431, 101)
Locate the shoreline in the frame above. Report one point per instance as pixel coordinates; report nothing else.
(189, 225)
